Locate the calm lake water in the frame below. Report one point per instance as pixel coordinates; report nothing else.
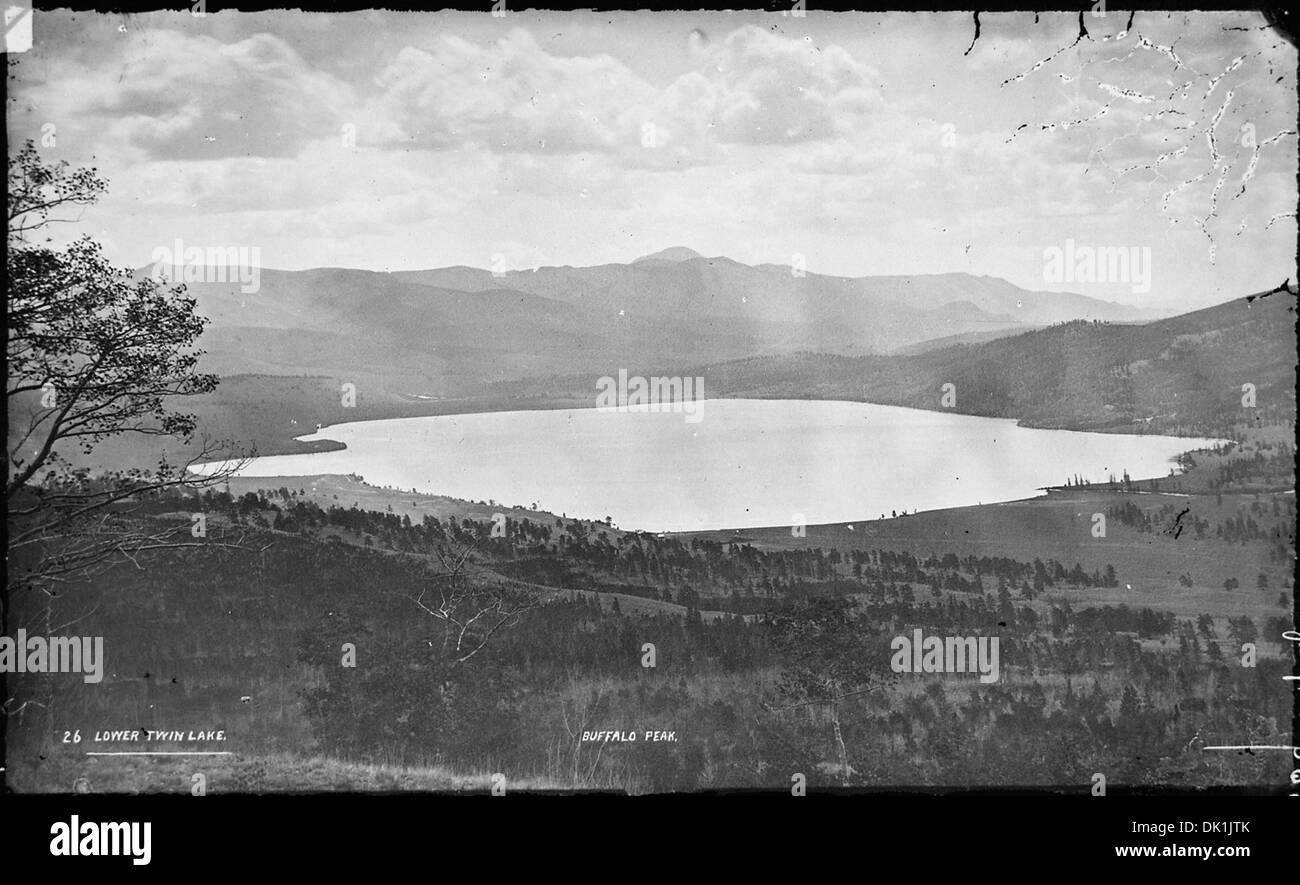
(747, 463)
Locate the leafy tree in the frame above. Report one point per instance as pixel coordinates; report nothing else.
(93, 353)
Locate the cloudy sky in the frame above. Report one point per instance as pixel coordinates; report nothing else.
(867, 143)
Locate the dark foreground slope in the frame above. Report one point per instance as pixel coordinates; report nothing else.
(1107, 663)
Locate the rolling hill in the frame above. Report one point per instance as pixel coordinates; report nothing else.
(442, 332)
(1184, 374)
(415, 348)
(836, 314)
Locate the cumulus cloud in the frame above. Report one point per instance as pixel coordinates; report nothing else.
(552, 139)
(510, 96)
(753, 87)
(756, 87)
(178, 97)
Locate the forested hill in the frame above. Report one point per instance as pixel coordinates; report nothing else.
(1183, 374)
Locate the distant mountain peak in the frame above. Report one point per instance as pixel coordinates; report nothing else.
(672, 253)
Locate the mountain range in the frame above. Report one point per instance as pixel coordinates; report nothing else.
(444, 331)
(429, 343)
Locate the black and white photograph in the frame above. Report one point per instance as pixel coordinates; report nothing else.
(517, 401)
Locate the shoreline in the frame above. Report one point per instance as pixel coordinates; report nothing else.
(474, 407)
(394, 496)
(1202, 444)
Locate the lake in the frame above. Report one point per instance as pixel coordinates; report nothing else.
(747, 463)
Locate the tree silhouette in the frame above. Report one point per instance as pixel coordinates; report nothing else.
(93, 353)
